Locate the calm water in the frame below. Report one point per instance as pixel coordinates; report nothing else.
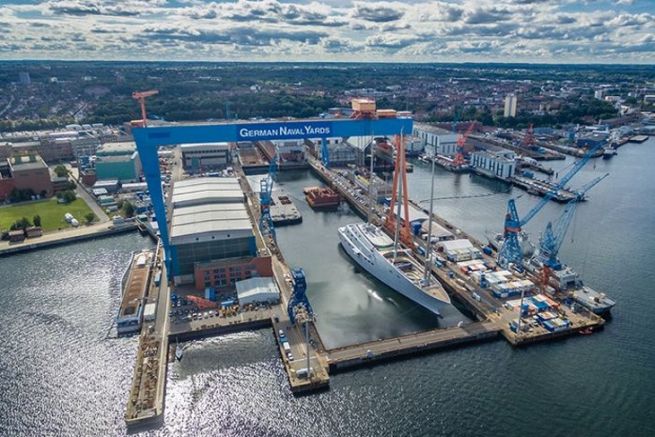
(60, 374)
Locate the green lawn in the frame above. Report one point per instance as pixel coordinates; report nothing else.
(51, 212)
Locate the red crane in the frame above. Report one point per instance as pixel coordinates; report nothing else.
(399, 177)
(528, 140)
(141, 97)
(461, 141)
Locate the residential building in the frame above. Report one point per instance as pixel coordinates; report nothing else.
(510, 105)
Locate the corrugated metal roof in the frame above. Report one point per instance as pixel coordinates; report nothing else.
(205, 188)
(209, 216)
(200, 197)
(216, 208)
(205, 180)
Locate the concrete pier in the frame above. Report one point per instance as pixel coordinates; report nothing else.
(67, 236)
(376, 351)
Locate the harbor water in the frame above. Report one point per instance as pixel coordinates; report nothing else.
(60, 373)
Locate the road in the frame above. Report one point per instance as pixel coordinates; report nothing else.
(90, 200)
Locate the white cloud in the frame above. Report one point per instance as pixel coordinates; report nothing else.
(529, 30)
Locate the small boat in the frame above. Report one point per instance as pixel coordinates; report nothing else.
(609, 152)
(587, 331)
(179, 352)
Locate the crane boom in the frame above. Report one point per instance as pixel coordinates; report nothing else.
(553, 237)
(265, 199)
(510, 252)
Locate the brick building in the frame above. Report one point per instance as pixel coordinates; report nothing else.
(31, 173)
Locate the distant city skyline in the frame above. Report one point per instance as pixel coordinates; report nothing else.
(541, 31)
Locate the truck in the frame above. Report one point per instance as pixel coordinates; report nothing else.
(286, 346)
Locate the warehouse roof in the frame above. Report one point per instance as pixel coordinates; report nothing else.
(462, 243)
(117, 148)
(202, 197)
(216, 208)
(210, 222)
(206, 180)
(206, 187)
(27, 162)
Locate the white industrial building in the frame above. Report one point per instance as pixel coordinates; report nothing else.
(432, 136)
(459, 250)
(206, 156)
(209, 222)
(257, 290)
(496, 164)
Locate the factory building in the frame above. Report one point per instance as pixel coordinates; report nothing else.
(118, 161)
(432, 136)
(206, 156)
(498, 164)
(510, 105)
(31, 173)
(210, 224)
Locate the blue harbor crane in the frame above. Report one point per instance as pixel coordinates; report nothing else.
(265, 199)
(510, 252)
(325, 153)
(553, 237)
(299, 308)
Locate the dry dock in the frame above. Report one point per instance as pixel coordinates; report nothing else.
(461, 286)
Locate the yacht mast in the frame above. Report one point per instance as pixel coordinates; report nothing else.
(401, 190)
(369, 217)
(428, 241)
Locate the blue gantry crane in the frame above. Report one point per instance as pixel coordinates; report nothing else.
(553, 237)
(510, 252)
(265, 199)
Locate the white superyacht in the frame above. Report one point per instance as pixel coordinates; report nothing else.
(383, 257)
(374, 251)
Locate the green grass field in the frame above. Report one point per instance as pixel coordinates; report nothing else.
(51, 212)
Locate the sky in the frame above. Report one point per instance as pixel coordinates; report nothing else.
(548, 31)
